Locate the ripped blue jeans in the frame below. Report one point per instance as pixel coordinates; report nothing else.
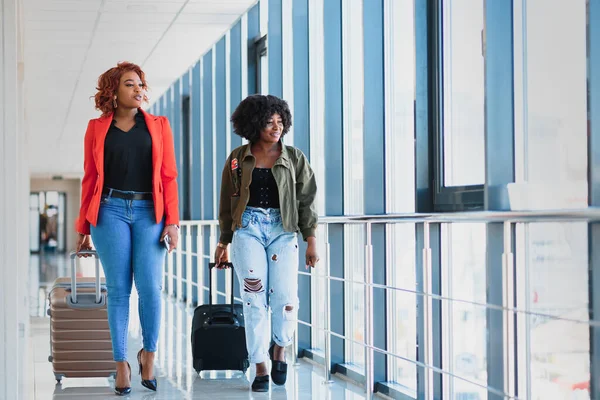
(265, 259)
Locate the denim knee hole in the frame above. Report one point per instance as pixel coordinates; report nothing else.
(253, 285)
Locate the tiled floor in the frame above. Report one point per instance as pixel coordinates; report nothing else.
(176, 377)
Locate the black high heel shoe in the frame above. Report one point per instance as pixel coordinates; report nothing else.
(147, 383)
(123, 391)
(278, 368)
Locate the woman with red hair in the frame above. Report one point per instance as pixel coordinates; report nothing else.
(129, 205)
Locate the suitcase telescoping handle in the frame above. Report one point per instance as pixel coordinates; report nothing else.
(212, 266)
(74, 257)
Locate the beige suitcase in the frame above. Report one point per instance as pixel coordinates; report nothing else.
(80, 342)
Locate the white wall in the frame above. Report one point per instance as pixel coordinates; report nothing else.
(14, 194)
(72, 188)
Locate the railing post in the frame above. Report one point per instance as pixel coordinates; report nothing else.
(428, 313)
(200, 263)
(508, 304)
(188, 264)
(170, 274)
(326, 314)
(212, 248)
(179, 273)
(295, 346)
(369, 365)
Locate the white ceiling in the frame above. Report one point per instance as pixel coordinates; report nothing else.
(69, 43)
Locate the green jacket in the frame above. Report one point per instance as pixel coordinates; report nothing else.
(295, 181)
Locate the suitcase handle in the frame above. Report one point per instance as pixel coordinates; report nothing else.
(211, 266)
(73, 256)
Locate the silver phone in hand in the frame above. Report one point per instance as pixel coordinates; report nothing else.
(167, 242)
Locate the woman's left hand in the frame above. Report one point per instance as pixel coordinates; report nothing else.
(312, 256)
(173, 233)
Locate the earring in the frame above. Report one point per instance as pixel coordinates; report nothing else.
(115, 102)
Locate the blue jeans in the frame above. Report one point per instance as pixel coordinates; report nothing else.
(265, 259)
(127, 239)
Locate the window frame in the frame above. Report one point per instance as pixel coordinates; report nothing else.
(260, 51)
(186, 162)
(445, 198)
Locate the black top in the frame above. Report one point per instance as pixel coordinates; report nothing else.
(128, 157)
(263, 189)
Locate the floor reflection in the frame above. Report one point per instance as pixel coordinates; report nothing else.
(176, 376)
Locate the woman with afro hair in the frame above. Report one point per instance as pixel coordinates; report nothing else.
(129, 205)
(268, 194)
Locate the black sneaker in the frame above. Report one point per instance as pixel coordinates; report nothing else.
(278, 369)
(261, 384)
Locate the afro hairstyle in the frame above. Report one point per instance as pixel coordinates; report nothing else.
(253, 113)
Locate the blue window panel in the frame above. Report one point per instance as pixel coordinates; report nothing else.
(435, 245)
(374, 166)
(169, 104)
(196, 137)
(337, 310)
(499, 159)
(235, 76)
(334, 199)
(253, 33)
(374, 152)
(499, 105)
(207, 137)
(220, 104)
(221, 128)
(185, 84)
(301, 115)
(274, 53)
(594, 190)
(374, 109)
(301, 119)
(423, 189)
(175, 121)
(423, 136)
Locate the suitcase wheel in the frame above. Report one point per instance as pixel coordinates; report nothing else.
(50, 358)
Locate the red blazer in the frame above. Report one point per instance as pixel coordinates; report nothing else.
(164, 171)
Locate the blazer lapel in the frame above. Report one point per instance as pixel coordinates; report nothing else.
(155, 134)
(102, 127)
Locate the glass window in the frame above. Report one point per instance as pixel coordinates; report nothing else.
(551, 126)
(317, 147)
(464, 324)
(400, 186)
(354, 236)
(551, 107)
(555, 279)
(402, 305)
(354, 293)
(462, 111)
(400, 105)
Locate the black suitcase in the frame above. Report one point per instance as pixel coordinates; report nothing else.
(218, 334)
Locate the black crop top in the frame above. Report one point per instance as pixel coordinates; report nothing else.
(128, 157)
(263, 189)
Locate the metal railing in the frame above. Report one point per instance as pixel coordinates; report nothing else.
(507, 218)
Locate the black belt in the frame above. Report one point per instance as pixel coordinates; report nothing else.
(128, 196)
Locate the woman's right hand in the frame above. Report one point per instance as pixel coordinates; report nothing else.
(221, 256)
(83, 243)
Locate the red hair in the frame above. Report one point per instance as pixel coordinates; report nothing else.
(108, 84)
